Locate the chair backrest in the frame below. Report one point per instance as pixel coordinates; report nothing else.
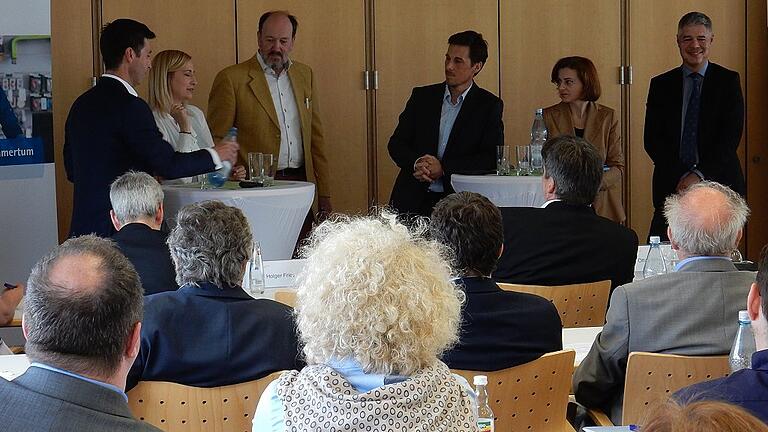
(286, 297)
(175, 407)
(652, 378)
(579, 305)
(532, 396)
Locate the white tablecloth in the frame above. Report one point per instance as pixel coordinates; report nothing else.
(580, 339)
(276, 213)
(504, 191)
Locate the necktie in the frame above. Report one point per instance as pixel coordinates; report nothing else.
(689, 144)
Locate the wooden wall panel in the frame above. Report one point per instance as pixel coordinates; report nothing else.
(331, 40)
(411, 39)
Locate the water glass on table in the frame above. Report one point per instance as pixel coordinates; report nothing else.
(502, 160)
(523, 160)
(254, 169)
(268, 165)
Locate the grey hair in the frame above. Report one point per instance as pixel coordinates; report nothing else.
(697, 238)
(576, 167)
(83, 329)
(210, 243)
(135, 195)
(694, 18)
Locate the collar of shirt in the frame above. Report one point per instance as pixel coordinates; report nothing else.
(267, 68)
(80, 377)
(682, 263)
(460, 99)
(363, 382)
(550, 202)
(702, 71)
(128, 87)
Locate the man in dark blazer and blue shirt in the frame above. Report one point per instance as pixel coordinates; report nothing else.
(110, 130)
(500, 329)
(693, 120)
(446, 128)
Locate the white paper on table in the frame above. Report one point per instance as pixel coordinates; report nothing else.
(12, 366)
(580, 339)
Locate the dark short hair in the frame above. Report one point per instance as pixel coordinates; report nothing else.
(586, 72)
(762, 278)
(291, 18)
(470, 224)
(478, 47)
(83, 329)
(121, 34)
(694, 18)
(576, 167)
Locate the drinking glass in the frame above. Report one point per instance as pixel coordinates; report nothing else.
(523, 160)
(502, 160)
(267, 164)
(254, 168)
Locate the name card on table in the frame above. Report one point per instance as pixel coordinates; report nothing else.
(282, 273)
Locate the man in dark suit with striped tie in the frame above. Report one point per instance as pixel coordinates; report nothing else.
(693, 120)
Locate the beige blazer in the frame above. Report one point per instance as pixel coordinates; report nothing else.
(240, 97)
(602, 130)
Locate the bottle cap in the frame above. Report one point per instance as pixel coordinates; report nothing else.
(743, 317)
(481, 380)
(655, 240)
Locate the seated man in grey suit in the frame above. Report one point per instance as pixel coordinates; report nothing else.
(82, 320)
(692, 311)
(137, 214)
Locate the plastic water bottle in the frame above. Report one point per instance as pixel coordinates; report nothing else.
(219, 177)
(744, 344)
(538, 138)
(654, 262)
(485, 417)
(256, 272)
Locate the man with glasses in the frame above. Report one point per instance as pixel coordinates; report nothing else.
(693, 120)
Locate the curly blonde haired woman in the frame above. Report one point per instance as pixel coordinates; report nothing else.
(375, 309)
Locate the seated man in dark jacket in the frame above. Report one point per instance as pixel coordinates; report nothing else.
(500, 329)
(137, 213)
(209, 332)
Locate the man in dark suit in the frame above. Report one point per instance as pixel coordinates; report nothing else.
(137, 214)
(565, 242)
(693, 120)
(446, 128)
(110, 130)
(500, 329)
(82, 319)
(210, 332)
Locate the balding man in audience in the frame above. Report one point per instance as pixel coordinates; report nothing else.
(137, 214)
(210, 332)
(565, 241)
(500, 329)
(82, 319)
(692, 311)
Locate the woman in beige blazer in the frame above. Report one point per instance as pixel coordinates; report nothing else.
(579, 114)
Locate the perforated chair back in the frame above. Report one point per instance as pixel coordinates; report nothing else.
(175, 407)
(651, 378)
(532, 396)
(579, 305)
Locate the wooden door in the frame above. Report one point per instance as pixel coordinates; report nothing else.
(331, 40)
(534, 35)
(203, 29)
(411, 38)
(653, 50)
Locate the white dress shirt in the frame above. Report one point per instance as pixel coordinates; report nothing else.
(198, 138)
(291, 144)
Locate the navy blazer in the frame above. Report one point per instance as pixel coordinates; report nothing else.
(148, 252)
(108, 132)
(471, 146)
(721, 121)
(564, 244)
(208, 337)
(501, 329)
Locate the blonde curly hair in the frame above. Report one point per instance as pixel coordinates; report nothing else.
(379, 292)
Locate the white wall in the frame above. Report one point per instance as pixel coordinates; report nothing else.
(25, 17)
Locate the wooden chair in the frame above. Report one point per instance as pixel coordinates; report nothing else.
(651, 378)
(175, 407)
(579, 305)
(286, 297)
(532, 396)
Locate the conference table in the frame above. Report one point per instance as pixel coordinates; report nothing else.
(503, 191)
(275, 213)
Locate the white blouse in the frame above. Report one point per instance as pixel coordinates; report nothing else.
(199, 138)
